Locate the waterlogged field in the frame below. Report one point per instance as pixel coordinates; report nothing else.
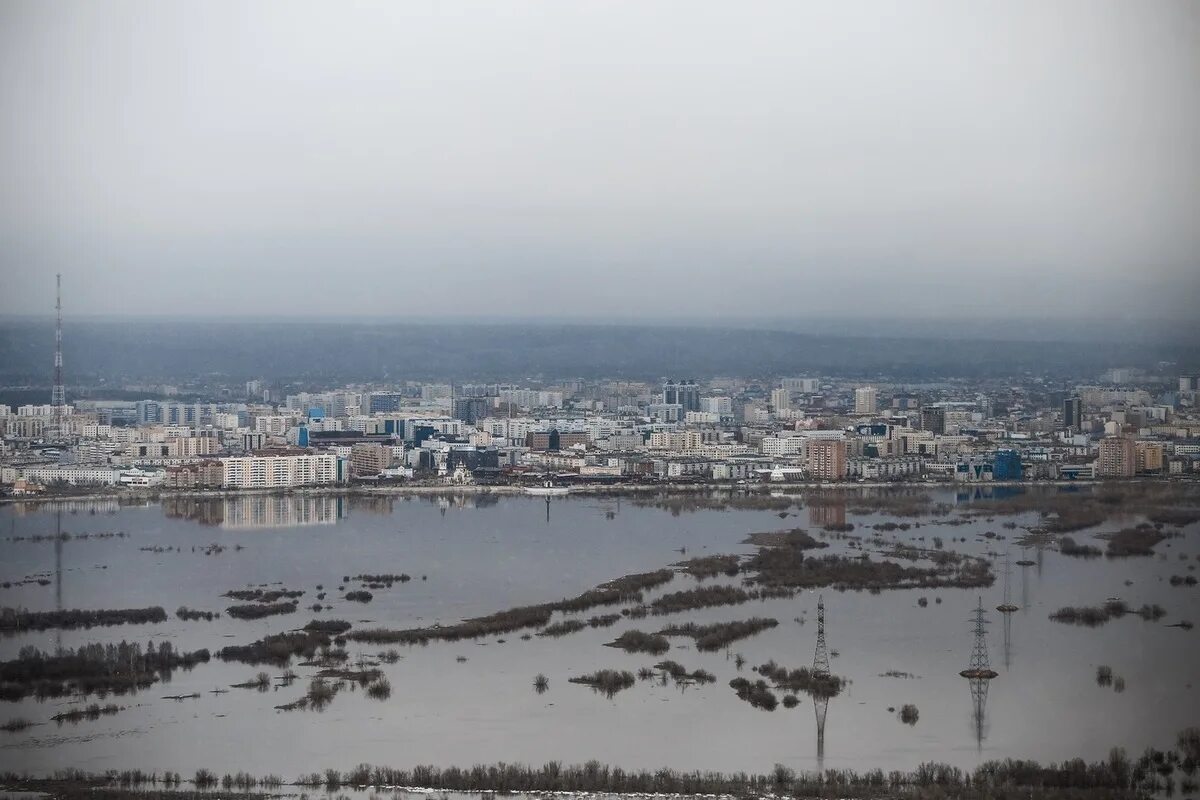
(643, 632)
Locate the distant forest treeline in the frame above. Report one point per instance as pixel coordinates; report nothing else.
(347, 351)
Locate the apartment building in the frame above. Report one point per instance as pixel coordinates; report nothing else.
(827, 459)
(1118, 458)
(271, 471)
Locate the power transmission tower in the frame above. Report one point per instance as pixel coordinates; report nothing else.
(979, 666)
(821, 667)
(821, 656)
(979, 672)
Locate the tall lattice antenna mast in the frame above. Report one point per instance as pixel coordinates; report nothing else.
(58, 395)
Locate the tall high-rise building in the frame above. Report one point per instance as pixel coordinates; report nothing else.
(933, 419)
(866, 400)
(1073, 413)
(781, 400)
(1118, 457)
(827, 459)
(684, 393)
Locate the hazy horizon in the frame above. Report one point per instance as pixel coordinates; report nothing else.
(652, 161)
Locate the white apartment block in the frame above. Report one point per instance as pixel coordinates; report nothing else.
(274, 425)
(76, 476)
(277, 471)
(805, 385)
(783, 446)
(529, 398)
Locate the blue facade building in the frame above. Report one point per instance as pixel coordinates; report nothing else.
(1007, 466)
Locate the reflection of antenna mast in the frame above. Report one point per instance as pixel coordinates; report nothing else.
(1007, 606)
(58, 548)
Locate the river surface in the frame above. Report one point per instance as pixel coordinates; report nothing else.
(474, 555)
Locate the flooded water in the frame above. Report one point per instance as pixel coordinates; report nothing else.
(474, 555)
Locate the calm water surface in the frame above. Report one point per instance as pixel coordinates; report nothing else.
(483, 554)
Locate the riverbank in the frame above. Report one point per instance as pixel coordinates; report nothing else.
(604, 490)
(1117, 777)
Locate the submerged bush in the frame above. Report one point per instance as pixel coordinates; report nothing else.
(258, 611)
(756, 693)
(608, 681)
(802, 680)
(20, 619)
(635, 641)
(719, 634)
(379, 689)
(563, 628)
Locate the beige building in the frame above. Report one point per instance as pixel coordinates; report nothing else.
(1149, 457)
(200, 475)
(369, 458)
(1118, 458)
(866, 400)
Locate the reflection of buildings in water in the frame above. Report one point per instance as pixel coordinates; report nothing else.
(83, 505)
(274, 511)
(827, 514)
(372, 504)
(204, 510)
(462, 500)
(258, 510)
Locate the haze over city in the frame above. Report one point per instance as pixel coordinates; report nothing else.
(599, 400)
(612, 162)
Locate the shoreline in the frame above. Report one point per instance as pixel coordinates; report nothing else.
(608, 490)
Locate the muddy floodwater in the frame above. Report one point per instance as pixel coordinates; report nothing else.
(474, 701)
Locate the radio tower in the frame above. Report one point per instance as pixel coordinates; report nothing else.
(58, 395)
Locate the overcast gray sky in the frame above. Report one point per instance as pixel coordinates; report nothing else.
(591, 159)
